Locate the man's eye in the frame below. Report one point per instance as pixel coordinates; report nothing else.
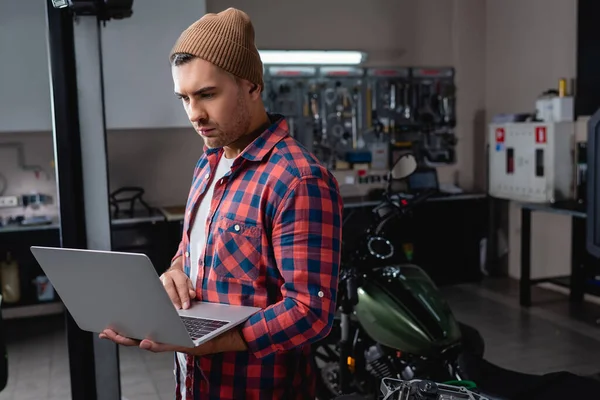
(207, 95)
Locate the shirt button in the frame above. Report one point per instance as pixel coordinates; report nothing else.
(206, 176)
(221, 182)
(320, 294)
(187, 254)
(236, 227)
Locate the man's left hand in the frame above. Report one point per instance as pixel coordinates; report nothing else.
(152, 346)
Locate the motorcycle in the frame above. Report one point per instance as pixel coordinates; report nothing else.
(392, 322)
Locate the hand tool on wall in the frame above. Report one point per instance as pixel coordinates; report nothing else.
(407, 110)
(447, 104)
(392, 103)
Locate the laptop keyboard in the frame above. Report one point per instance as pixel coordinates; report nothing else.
(198, 327)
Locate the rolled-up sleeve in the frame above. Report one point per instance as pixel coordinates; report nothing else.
(179, 252)
(306, 238)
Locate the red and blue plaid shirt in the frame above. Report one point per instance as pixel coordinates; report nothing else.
(273, 241)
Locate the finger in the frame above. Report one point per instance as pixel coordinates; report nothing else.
(192, 289)
(119, 339)
(181, 285)
(169, 286)
(157, 347)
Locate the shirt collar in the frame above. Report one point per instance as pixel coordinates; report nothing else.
(263, 144)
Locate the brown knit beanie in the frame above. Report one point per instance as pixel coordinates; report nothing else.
(226, 40)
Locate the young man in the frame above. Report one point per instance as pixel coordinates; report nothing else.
(262, 226)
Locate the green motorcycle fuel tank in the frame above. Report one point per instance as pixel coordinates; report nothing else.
(400, 307)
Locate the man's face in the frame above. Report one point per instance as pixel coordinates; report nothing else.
(214, 101)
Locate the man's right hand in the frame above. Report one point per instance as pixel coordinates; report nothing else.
(178, 286)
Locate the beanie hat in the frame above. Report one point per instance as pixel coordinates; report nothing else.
(226, 40)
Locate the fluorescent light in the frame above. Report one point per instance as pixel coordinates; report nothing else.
(313, 57)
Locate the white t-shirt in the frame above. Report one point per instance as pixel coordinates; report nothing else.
(198, 241)
(198, 234)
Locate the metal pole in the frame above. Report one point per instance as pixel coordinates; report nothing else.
(82, 177)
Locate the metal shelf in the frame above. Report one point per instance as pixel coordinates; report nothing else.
(33, 310)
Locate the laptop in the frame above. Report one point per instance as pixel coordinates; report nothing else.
(123, 292)
(423, 179)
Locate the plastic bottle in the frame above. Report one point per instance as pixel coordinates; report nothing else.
(9, 275)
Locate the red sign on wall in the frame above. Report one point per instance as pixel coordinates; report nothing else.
(540, 134)
(500, 135)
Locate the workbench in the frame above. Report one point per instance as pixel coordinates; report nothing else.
(579, 254)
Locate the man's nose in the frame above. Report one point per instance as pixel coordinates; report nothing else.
(197, 113)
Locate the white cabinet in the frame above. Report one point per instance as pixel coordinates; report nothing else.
(137, 76)
(25, 103)
(531, 161)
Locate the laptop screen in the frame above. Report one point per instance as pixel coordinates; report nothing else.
(423, 180)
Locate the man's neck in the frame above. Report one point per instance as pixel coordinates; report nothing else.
(256, 129)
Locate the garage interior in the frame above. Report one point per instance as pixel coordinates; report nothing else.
(507, 237)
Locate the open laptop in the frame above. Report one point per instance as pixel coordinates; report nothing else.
(123, 292)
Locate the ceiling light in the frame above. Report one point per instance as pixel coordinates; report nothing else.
(312, 57)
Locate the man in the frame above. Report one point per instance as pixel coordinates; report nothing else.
(262, 226)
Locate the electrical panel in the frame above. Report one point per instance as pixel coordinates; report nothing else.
(531, 161)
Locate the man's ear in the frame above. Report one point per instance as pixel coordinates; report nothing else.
(254, 91)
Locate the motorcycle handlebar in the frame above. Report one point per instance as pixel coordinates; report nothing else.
(423, 196)
(396, 204)
(408, 204)
(391, 207)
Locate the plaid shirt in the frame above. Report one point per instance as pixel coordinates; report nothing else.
(273, 241)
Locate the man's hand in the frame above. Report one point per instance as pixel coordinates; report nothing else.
(180, 290)
(178, 286)
(153, 346)
(228, 341)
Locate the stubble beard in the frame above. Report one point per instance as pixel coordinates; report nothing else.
(239, 126)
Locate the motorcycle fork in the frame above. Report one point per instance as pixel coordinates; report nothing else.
(345, 346)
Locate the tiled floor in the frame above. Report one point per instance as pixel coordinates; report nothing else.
(539, 340)
(536, 340)
(39, 366)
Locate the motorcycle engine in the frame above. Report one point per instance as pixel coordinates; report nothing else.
(381, 362)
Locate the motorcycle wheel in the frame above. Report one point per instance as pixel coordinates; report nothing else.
(472, 341)
(325, 360)
(472, 352)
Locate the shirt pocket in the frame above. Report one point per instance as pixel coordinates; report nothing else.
(237, 250)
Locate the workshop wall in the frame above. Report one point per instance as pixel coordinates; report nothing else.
(161, 161)
(530, 44)
(392, 32)
(505, 52)
(402, 32)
